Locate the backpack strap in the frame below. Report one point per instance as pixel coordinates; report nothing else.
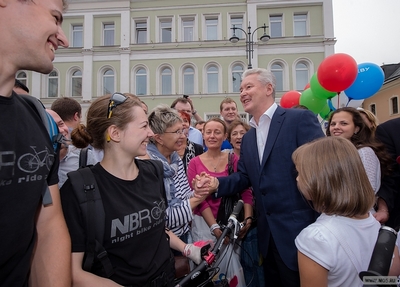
(52, 129)
(87, 192)
(83, 156)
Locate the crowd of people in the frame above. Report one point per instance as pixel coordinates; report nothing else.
(160, 187)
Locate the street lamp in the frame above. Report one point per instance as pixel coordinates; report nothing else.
(249, 40)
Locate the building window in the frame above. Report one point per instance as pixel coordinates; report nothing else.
(237, 72)
(21, 76)
(108, 82)
(188, 81)
(212, 28)
(394, 105)
(76, 84)
(372, 108)
(77, 36)
(166, 30)
(141, 32)
(166, 81)
(188, 29)
(277, 70)
(212, 79)
(52, 90)
(108, 34)
(141, 82)
(275, 24)
(302, 76)
(210, 116)
(237, 21)
(300, 24)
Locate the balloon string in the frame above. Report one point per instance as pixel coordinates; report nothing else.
(338, 100)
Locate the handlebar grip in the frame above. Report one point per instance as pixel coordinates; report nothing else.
(238, 207)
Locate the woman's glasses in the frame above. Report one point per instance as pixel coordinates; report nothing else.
(115, 100)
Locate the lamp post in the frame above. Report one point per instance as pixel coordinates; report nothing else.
(249, 40)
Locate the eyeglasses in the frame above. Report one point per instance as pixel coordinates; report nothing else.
(115, 100)
(177, 132)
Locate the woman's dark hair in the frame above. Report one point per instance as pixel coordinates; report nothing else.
(364, 137)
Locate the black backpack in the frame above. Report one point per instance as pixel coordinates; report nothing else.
(85, 187)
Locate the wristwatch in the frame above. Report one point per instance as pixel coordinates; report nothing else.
(194, 112)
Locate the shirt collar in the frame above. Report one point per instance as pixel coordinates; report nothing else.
(268, 113)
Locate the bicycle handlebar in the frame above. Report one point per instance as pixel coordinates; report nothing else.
(210, 258)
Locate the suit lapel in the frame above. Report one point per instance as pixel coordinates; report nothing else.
(274, 128)
(253, 147)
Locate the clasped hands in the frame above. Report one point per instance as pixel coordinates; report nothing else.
(204, 184)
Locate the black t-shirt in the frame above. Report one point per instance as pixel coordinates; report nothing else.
(134, 233)
(27, 159)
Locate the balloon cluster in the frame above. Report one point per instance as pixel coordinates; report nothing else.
(336, 73)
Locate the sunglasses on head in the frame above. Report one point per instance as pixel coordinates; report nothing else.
(115, 100)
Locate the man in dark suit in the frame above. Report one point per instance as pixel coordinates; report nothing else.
(266, 165)
(389, 192)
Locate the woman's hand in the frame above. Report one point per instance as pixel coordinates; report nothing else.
(246, 226)
(217, 233)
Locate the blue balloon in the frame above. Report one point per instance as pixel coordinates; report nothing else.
(369, 80)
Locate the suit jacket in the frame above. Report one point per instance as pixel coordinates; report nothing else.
(389, 133)
(281, 209)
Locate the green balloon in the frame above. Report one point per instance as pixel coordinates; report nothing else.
(318, 90)
(325, 112)
(312, 103)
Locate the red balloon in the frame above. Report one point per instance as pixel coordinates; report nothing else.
(290, 99)
(337, 72)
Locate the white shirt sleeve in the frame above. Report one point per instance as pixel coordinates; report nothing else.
(372, 166)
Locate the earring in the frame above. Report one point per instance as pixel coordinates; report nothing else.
(108, 138)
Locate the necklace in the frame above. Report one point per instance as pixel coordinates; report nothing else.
(215, 166)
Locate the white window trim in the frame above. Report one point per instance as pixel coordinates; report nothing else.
(285, 67)
(204, 26)
(103, 31)
(310, 66)
(195, 27)
(68, 81)
(134, 71)
(100, 79)
(282, 23)
(158, 78)
(230, 80)
(230, 25)
(196, 81)
(134, 34)
(307, 23)
(205, 82)
(46, 83)
(158, 28)
(72, 35)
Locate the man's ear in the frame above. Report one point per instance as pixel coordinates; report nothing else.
(77, 118)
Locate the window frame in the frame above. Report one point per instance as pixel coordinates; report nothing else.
(105, 30)
(50, 77)
(73, 34)
(136, 29)
(207, 17)
(271, 25)
(305, 21)
(394, 105)
(160, 29)
(135, 82)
